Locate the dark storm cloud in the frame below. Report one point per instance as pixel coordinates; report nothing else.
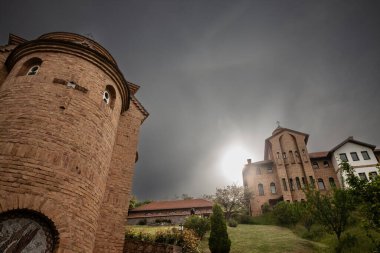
(216, 72)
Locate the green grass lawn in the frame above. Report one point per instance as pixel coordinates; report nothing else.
(255, 238)
(266, 238)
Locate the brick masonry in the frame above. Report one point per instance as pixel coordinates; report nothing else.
(65, 153)
(286, 162)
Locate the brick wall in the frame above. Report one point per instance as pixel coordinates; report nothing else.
(57, 143)
(114, 210)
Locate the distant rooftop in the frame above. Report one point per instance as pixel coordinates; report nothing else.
(174, 204)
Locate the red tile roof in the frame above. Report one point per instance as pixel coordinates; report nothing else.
(174, 204)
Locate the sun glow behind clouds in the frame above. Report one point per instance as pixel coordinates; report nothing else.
(232, 162)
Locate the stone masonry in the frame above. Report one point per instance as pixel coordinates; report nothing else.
(68, 140)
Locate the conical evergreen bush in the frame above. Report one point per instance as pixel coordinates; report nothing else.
(218, 241)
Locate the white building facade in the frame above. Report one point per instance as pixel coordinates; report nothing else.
(361, 156)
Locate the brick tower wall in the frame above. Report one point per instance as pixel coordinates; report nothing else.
(56, 145)
(113, 215)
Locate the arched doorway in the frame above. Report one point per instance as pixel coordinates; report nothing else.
(26, 231)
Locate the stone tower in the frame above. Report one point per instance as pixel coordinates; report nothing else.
(69, 126)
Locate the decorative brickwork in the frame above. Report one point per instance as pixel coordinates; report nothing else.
(64, 152)
(288, 167)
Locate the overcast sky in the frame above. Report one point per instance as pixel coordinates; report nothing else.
(215, 76)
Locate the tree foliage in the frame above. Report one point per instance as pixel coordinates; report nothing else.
(218, 241)
(233, 199)
(366, 195)
(287, 214)
(332, 210)
(198, 224)
(134, 202)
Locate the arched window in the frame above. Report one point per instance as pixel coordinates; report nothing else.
(261, 190)
(33, 70)
(273, 188)
(303, 182)
(109, 96)
(284, 184)
(291, 184)
(298, 183)
(30, 67)
(321, 185)
(332, 182)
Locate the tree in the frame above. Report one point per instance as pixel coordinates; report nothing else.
(287, 214)
(218, 241)
(233, 199)
(198, 224)
(367, 198)
(134, 203)
(331, 210)
(186, 196)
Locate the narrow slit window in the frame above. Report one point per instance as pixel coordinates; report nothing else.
(273, 188)
(332, 182)
(298, 183)
(261, 189)
(284, 184)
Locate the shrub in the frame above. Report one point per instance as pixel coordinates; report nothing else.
(218, 241)
(232, 223)
(186, 239)
(246, 219)
(198, 224)
(286, 214)
(140, 236)
(265, 208)
(163, 221)
(142, 222)
(190, 241)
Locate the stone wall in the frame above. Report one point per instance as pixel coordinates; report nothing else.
(133, 246)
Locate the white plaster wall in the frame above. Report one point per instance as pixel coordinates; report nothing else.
(370, 165)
